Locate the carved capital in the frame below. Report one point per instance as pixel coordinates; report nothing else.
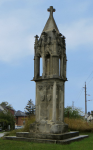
(38, 51)
(45, 86)
(40, 87)
(40, 42)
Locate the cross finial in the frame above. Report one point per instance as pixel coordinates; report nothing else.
(51, 10)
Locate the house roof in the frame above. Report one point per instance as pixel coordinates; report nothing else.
(19, 113)
(6, 107)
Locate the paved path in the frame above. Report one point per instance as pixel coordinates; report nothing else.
(2, 134)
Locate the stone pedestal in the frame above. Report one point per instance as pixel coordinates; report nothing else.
(64, 138)
(46, 126)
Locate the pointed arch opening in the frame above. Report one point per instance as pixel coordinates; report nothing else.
(41, 68)
(47, 64)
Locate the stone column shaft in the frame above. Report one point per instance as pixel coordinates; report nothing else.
(36, 67)
(55, 60)
(65, 66)
(43, 66)
(51, 65)
(62, 106)
(54, 102)
(61, 66)
(47, 66)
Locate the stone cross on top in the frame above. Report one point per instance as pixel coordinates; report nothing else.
(51, 10)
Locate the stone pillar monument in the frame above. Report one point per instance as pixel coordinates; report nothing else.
(49, 126)
(51, 48)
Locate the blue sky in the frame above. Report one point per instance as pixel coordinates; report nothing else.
(20, 21)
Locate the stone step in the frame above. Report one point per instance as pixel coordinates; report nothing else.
(48, 136)
(66, 141)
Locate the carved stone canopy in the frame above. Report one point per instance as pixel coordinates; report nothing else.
(51, 47)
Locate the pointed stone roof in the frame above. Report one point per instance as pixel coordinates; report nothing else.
(50, 25)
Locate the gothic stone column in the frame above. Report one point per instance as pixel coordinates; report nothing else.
(36, 67)
(61, 66)
(54, 102)
(55, 68)
(62, 104)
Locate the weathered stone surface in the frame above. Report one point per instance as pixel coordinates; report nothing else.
(47, 126)
(50, 100)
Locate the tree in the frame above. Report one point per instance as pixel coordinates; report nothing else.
(6, 104)
(72, 113)
(30, 108)
(6, 118)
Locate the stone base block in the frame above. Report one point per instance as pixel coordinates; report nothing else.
(38, 140)
(46, 126)
(62, 136)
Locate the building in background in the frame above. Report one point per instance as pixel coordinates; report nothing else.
(20, 118)
(90, 116)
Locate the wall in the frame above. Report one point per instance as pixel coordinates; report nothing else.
(20, 120)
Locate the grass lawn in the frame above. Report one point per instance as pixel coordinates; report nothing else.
(85, 144)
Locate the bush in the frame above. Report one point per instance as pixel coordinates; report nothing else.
(30, 120)
(79, 125)
(72, 113)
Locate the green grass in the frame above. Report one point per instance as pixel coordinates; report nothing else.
(1, 131)
(85, 144)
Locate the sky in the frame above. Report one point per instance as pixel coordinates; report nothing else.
(20, 21)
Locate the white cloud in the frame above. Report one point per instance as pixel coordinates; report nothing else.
(17, 33)
(78, 33)
(14, 42)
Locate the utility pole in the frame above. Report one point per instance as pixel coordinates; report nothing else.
(85, 102)
(72, 104)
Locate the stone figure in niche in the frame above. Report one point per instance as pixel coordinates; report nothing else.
(49, 97)
(42, 97)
